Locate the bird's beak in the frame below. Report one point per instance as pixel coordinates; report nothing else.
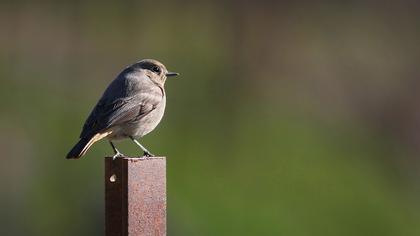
(171, 74)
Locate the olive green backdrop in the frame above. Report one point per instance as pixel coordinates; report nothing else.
(287, 119)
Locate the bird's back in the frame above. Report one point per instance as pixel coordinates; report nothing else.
(130, 97)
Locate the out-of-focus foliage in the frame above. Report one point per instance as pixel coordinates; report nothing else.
(287, 119)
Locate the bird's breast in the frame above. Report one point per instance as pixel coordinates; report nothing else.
(149, 122)
(143, 126)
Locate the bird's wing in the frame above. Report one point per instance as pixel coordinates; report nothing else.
(116, 110)
(132, 113)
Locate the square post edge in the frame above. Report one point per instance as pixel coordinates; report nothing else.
(135, 196)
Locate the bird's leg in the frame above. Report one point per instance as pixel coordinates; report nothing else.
(116, 152)
(146, 152)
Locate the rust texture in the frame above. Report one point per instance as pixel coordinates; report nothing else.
(135, 196)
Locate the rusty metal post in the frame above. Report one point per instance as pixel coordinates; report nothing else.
(135, 196)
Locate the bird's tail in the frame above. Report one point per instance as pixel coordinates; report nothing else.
(80, 148)
(84, 144)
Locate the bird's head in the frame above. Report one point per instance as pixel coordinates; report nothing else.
(155, 70)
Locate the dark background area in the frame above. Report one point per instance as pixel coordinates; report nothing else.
(287, 119)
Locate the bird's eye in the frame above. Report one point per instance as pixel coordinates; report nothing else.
(156, 69)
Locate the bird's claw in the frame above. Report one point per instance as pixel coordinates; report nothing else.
(147, 155)
(118, 154)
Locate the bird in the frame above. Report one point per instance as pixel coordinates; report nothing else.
(132, 106)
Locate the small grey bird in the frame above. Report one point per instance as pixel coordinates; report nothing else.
(131, 107)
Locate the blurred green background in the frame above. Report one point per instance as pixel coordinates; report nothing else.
(288, 118)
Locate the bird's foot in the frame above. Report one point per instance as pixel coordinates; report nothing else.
(118, 154)
(147, 155)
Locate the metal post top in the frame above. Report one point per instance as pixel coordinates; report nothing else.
(135, 159)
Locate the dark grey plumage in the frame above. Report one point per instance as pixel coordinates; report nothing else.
(131, 107)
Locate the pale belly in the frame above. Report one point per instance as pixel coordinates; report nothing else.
(142, 127)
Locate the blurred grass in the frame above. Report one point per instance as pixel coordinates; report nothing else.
(254, 147)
